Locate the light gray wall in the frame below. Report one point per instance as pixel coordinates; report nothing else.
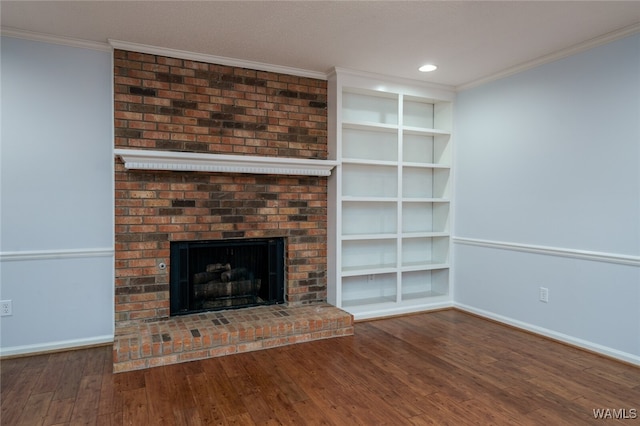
(549, 157)
(56, 244)
(548, 194)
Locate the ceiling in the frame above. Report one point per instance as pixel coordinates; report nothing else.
(468, 40)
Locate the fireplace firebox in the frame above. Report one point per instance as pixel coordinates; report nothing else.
(226, 274)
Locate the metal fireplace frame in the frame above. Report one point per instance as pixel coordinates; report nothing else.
(181, 277)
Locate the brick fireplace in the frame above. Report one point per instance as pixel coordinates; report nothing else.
(175, 105)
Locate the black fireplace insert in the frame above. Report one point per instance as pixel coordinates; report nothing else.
(226, 274)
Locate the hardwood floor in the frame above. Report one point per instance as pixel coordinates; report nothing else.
(441, 368)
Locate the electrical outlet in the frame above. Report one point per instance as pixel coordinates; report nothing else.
(544, 294)
(5, 308)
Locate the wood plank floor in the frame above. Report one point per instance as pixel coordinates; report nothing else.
(440, 368)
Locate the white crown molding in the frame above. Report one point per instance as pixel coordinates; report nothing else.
(580, 47)
(615, 258)
(392, 79)
(200, 57)
(135, 159)
(48, 38)
(212, 59)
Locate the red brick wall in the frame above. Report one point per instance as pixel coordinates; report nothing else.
(180, 105)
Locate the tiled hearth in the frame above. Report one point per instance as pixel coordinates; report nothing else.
(141, 345)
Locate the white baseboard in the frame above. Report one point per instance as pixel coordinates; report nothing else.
(55, 346)
(564, 338)
(379, 312)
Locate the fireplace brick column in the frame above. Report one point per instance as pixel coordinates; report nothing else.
(172, 104)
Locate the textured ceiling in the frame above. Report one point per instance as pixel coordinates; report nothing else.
(468, 40)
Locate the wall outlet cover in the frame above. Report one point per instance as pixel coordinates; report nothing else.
(6, 308)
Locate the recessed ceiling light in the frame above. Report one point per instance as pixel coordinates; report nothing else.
(427, 68)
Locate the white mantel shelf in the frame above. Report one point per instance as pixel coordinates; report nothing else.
(142, 159)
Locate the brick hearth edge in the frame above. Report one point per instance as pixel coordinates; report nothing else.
(140, 345)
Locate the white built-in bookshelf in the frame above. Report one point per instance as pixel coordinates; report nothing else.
(389, 195)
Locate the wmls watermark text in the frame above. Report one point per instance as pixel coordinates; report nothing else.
(615, 413)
